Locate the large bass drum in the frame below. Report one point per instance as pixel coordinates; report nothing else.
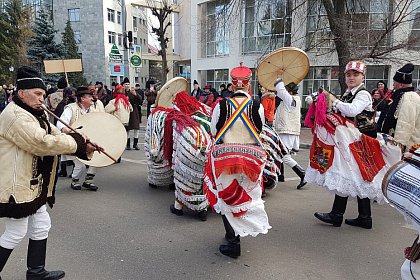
(105, 130)
(401, 186)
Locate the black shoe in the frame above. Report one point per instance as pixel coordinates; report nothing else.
(36, 262)
(281, 178)
(135, 144)
(152, 186)
(263, 194)
(176, 211)
(360, 222)
(203, 215)
(90, 186)
(330, 218)
(231, 250)
(75, 185)
(301, 184)
(171, 187)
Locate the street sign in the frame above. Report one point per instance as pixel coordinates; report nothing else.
(115, 56)
(136, 60)
(116, 70)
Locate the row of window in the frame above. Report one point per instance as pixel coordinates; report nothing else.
(113, 16)
(267, 24)
(117, 38)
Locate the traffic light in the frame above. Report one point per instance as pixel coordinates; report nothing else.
(130, 36)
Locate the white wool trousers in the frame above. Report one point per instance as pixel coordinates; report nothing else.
(80, 168)
(37, 226)
(410, 270)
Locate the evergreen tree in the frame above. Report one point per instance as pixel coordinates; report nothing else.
(71, 52)
(43, 46)
(15, 31)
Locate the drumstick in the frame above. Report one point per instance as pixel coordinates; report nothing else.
(75, 131)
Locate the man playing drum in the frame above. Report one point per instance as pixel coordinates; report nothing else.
(71, 113)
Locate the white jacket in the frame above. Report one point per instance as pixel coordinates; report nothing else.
(407, 130)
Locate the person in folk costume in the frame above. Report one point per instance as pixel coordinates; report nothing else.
(31, 145)
(233, 173)
(133, 127)
(71, 113)
(287, 123)
(354, 102)
(401, 118)
(120, 107)
(207, 97)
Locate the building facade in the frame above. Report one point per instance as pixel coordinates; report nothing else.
(225, 33)
(98, 29)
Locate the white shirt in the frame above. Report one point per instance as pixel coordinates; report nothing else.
(66, 117)
(285, 96)
(362, 101)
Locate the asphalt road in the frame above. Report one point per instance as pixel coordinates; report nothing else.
(125, 231)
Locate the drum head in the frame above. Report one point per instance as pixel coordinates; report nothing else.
(293, 62)
(105, 130)
(168, 91)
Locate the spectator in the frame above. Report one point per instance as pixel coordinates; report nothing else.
(196, 91)
(140, 93)
(101, 93)
(382, 87)
(207, 97)
(268, 101)
(150, 94)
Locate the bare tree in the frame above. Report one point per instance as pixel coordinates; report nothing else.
(353, 29)
(162, 11)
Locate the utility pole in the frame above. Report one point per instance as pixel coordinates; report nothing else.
(124, 31)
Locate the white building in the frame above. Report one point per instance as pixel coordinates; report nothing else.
(224, 34)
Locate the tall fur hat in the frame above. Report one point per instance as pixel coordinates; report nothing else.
(404, 75)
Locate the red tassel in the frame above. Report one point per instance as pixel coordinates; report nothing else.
(188, 104)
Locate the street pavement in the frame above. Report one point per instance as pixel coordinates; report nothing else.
(125, 231)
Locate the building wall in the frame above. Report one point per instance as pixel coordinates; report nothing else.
(90, 26)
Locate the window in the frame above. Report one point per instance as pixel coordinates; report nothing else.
(367, 21)
(111, 15)
(118, 17)
(111, 37)
(77, 37)
(74, 15)
(266, 25)
(416, 77)
(120, 38)
(217, 77)
(135, 40)
(134, 22)
(216, 28)
(414, 37)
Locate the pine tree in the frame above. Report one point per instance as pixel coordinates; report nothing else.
(71, 52)
(15, 31)
(43, 46)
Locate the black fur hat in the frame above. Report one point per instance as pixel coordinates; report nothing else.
(125, 81)
(28, 78)
(62, 83)
(404, 75)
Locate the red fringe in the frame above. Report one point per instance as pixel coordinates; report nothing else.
(188, 104)
(252, 171)
(125, 101)
(182, 121)
(211, 197)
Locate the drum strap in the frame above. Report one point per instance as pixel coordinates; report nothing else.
(413, 252)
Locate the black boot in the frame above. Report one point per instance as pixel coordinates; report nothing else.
(335, 217)
(233, 248)
(301, 173)
(135, 146)
(63, 170)
(364, 220)
(88, 183)
(37, 250)
(4, 256)
(281, 176)
(175, 211)
(128, 144)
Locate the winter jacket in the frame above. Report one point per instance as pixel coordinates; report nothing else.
(268, 100)
(407, 130)
(29, 156)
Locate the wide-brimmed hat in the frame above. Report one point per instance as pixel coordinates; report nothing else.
(83, 90)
